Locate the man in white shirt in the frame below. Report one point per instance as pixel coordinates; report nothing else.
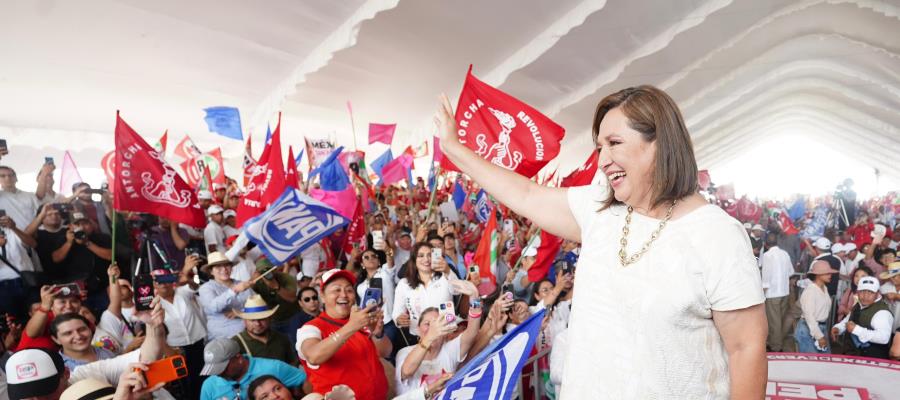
(312, 259)
(230, 221)
(868, 323)
(184, 318)
(776, 274)
(19, 205)
(214, 235)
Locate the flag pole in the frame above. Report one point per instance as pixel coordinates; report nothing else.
(112, 249)
(352, 124)
(437, 174)
(530, 242)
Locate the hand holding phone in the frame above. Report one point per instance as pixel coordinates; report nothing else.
(437, 255)
(165, 371)
(378, 240)
(143, 292)
(373, 294)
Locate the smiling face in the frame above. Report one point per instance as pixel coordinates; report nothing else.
(221, 273)
(272, 389)
(423, 260)
(626, 159)
(370, 260)
(73, 335)
(339, 298)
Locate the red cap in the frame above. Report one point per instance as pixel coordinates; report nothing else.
(333, 274)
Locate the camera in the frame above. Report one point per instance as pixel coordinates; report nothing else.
(80, 235)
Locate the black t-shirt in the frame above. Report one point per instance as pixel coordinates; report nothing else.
(47, 242)
(82, 264)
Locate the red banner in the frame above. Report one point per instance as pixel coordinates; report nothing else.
(503, 130)
(356, 231)
(584, 175)
(146, 183)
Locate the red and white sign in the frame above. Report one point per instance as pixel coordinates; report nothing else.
(830, 377)
(503, 130)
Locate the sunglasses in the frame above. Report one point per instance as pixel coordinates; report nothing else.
(308, 299)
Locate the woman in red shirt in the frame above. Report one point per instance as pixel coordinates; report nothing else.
(344, 344)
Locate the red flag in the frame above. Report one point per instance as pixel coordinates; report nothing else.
(264, 177)
(186, 149)
(160, 145)
(356, 231)
(248, 163)
(191, 174)
(486, 253)
(503, 130)
(546, 253)
(275, 182)
(208, 181)
(784, 221)
(291, 175)
(748, 210)
(146, 183)
(584, 175)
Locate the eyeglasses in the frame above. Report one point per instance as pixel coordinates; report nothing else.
(308, 299)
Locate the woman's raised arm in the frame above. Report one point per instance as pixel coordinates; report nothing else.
(547, 207)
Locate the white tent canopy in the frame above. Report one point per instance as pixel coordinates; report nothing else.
(741, 70)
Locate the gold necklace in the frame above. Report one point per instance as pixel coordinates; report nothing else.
(624, 259)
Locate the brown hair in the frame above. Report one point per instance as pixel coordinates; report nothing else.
(655, 115)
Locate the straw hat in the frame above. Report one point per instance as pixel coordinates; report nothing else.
(256, 308)
(893, 270)
(215, 258)
(88, 389)
(821, 267)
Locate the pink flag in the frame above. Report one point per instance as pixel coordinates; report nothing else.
(394, 171)
(438, 154)
(68, 175)
(343, 201)
(383, 133)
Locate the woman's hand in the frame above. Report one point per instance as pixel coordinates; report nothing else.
(438, 330)
(403, 320)
(446, 121)
(361, 318)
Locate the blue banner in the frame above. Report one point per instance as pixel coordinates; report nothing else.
(225, 121)
(380, 162)
(459, 195)
(816, 226)
(291, 224)
(333, 178)
(483, 207)
(492, 375)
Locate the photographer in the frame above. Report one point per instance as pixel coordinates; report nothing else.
(48, 228)
(85, 254)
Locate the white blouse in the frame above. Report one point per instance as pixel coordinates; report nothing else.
(417, 300)
(646, 330)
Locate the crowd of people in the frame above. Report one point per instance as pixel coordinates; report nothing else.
(245, 327)
(76, 325)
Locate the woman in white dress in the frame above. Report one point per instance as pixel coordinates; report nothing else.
(668, 300)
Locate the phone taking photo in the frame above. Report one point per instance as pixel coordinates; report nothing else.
(166, 370)
(447, 312)
(373, 294)
(436, 256)
(378, 240)
(143, 292)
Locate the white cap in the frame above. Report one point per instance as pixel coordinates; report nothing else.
(204, 195)
(758, 227)
(838, 248)
(869, 283)
(230, 213)
(747, 225)
(822, 243)
(217, 186)
(850, 246)
(214, 209)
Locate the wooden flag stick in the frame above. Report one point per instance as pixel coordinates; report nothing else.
(266, 273)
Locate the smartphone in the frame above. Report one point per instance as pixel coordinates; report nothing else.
(436, 255)
(3, 148)
(373, 293)
(94, 191)
(143, 291)
(447, 312)
(473, 269)
(69, 289)
(165, 370)
(2, 213)
(378, 240)
(48, 160)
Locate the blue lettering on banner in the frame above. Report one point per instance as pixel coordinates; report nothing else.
(294, 222)
(482, 207)
(493, 373)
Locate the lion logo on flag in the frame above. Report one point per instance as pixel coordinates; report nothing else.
(164, 191)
